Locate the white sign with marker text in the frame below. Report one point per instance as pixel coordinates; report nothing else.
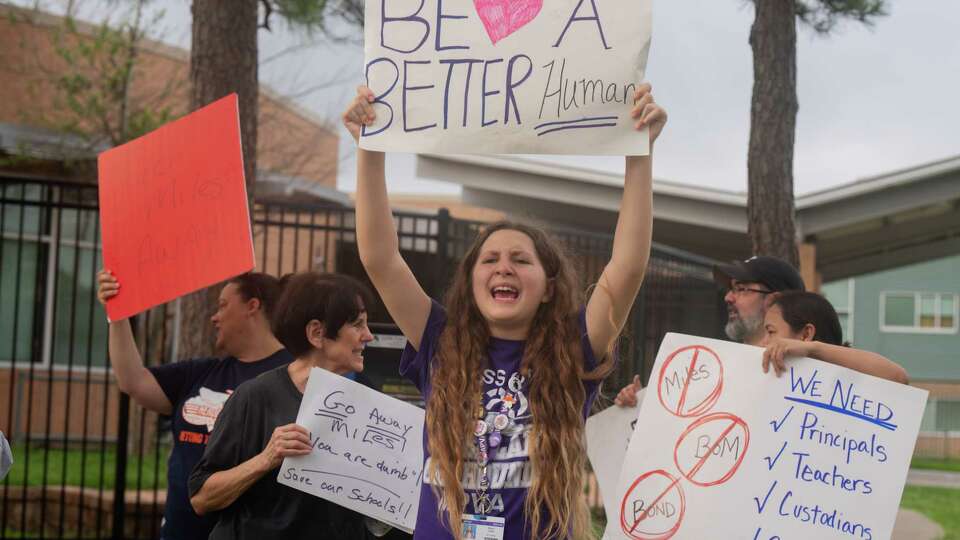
(367, 450)
(506, 76)
(723, 450)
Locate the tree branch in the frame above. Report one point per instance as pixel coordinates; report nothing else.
(267, 11)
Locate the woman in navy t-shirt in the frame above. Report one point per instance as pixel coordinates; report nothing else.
(193, 392)
(508, 366)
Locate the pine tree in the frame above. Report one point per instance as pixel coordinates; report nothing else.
(223, 60)
(771, 212)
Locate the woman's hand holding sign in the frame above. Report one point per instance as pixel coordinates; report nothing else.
(360, 112)
(647, 113)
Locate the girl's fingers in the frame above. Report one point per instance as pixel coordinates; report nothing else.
(766, 361)
(644, 88)
(367, 109)
(640, 104)
(652, 113)
(365, 92)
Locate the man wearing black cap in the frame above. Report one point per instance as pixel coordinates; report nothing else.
(747, 285)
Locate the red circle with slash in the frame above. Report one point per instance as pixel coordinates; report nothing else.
(667, 495)
(713, 464)
(690, 381)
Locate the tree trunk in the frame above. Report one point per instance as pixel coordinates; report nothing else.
(223, 59)
(773, 119)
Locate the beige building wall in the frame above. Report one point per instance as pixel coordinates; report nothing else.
(291, 140)
(458, 209)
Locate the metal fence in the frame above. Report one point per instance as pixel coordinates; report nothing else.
(88, 463)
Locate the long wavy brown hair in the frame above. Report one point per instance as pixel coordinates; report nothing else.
(552, 362)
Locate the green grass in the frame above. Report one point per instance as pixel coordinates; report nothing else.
(952, 465)
(154, 472)
(939, 504)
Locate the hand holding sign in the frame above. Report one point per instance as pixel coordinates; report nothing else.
(779, 349)
(360, 112)
(285, 441)
(647, 113)
(107, 286)
(627, 397)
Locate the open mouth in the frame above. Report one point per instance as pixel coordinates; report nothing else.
(505, 293)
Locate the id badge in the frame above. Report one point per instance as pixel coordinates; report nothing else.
(477, 527)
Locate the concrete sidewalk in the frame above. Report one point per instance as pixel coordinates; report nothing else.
(912, 525)
(917, 477)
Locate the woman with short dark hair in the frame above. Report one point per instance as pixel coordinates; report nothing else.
(322, 320)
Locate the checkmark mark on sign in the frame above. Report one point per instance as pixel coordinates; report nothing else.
(777, 425)
(773, 461)
(761, 506)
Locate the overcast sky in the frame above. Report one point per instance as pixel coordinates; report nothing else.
(872, 100)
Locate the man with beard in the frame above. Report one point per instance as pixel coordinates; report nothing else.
(747, 285)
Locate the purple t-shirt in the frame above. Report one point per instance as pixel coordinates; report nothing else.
(509, 470)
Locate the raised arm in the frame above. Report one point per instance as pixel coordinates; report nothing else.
(612, 298)
(403, 296)
(870, 363)
(132, 377)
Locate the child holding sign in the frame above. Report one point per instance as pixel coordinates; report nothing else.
(803, 324)
(510, 365)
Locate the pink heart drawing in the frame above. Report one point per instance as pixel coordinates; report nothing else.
(504, 17)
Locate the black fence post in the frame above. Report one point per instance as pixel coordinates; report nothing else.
(642, 365)
(120, 474)
(443, 233)
(441, 276)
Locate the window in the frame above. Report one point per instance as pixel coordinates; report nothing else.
(49, 256)
(919, 312)
(22, 255)
(840, 294)
(941, 415)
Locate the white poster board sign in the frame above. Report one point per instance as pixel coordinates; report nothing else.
(723, 450)
(367, 450)
(608, 434)
(506, 76)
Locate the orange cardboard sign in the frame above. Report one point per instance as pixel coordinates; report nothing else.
(173, 209)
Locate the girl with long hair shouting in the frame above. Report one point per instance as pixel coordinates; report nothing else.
(510, 364)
